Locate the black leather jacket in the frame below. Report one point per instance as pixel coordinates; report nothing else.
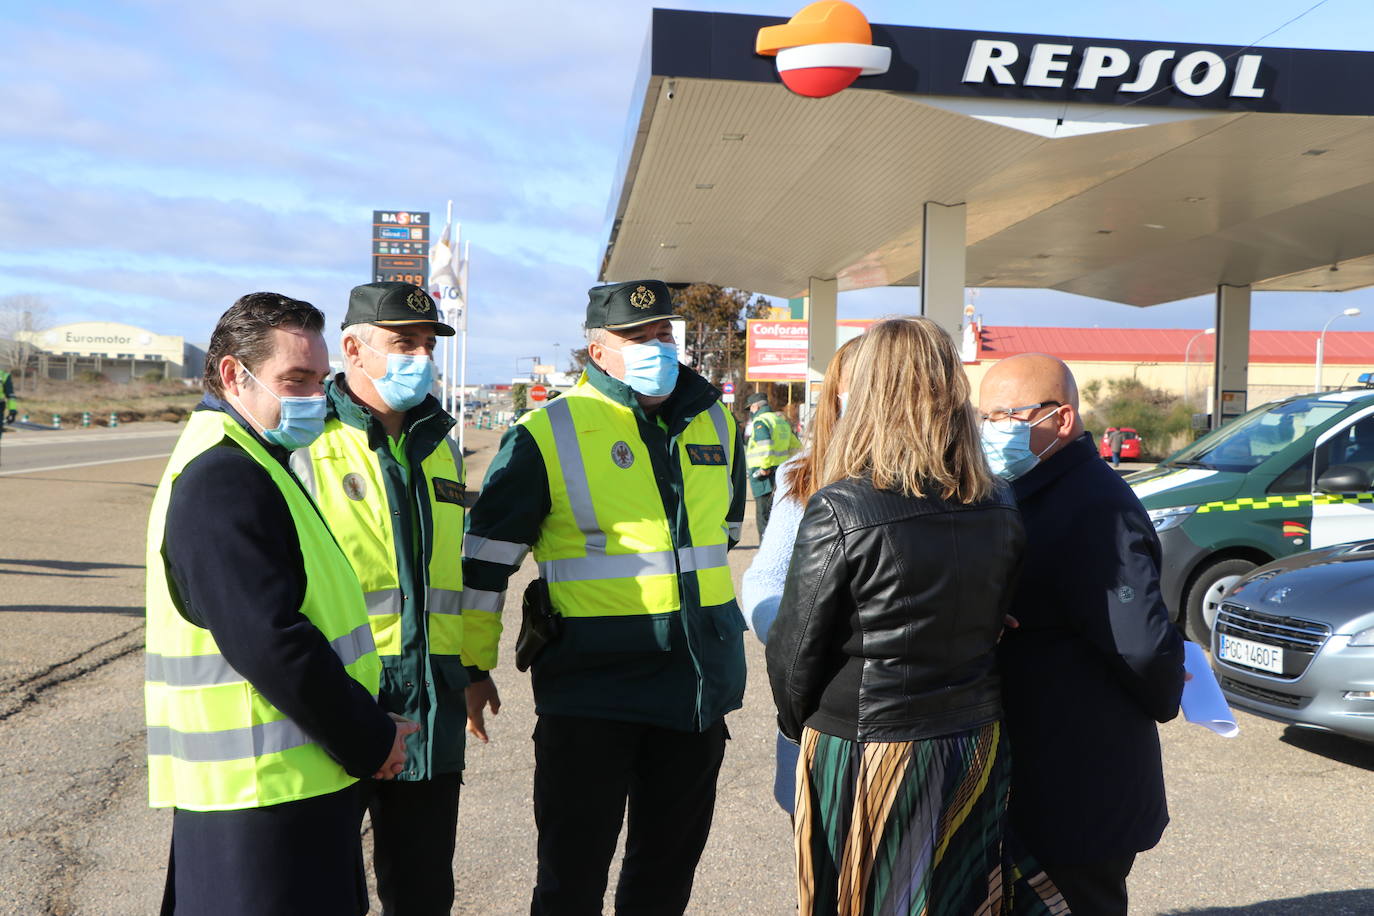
(889, 622)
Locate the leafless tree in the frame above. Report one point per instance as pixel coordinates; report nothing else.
(22, 316)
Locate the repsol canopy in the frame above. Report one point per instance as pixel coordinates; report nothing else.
(1139, 172)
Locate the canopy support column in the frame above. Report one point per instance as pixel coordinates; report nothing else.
(822, 313)
(943, 265)
(1231, 372)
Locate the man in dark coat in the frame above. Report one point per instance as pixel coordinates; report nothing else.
(1095, 661)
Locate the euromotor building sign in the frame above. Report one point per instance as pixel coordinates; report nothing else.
(993, 65)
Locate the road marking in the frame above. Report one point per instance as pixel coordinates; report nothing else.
(88, 438)
(83, 464)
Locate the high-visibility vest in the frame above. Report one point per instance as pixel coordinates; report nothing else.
(345, 476)
(606, 547)
(781, 444)
(214, 742)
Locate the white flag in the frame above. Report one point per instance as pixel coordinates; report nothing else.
(443, 272)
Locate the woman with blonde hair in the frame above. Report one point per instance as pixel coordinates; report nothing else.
(765, 577)
(882, 657)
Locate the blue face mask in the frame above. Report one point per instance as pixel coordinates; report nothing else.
(651, 368)
(302, 419)
(1008, 452)
(406, 381)
(844, 401)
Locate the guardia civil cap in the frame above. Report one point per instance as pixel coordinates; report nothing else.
(391, 303)
(757, 397)
(626, 305)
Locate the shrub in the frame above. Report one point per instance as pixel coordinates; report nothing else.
(1158, 416)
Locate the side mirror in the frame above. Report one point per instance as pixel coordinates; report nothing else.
(1343, 478)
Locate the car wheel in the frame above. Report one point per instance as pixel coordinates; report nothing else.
(1204, 596)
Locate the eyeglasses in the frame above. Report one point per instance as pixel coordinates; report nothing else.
(1003, 419)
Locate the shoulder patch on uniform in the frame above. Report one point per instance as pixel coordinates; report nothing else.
(448, 491)
(706, 454)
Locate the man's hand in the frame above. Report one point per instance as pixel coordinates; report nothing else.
(396, 760)
(764, 473)
(480, 695)
(1008, 623)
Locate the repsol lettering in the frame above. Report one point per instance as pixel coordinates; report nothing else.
(1056, 66)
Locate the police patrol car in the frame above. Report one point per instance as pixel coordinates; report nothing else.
(1290, 476)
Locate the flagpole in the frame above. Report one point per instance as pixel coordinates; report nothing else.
(463, 371)
(448, 354)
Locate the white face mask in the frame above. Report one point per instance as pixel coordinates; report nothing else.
(844, 402)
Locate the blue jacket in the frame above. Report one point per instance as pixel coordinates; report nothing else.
(1095, 663)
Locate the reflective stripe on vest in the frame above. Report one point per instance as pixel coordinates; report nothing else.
(782, 442)
(507, 553)
(345, 477)
(214, 742)
(627, 563)
(208, 670)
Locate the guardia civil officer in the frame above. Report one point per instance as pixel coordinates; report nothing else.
(261, 668)
(389, 481)
(771, 443)
(629, 489)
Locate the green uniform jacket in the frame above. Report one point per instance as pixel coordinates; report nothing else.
(701, 676)
(412, 685)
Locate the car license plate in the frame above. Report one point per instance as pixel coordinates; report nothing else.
(1251, 654)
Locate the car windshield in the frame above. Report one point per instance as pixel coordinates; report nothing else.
(1263, 432)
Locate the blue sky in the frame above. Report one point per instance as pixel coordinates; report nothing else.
(161, 158)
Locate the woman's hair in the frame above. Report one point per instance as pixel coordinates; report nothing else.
(909, 425)
(801, 477)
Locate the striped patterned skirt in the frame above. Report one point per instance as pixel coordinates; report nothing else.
(912, 828)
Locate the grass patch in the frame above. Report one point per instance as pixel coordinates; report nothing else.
(169, 401)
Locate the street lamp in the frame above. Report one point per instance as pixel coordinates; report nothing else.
(1188, 369)
(1321, 342)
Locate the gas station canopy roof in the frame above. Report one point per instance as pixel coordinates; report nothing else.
(1138, 172)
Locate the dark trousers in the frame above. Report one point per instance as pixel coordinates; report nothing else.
(413, 830)
(1095, 889)
(763, 507)
(585, 772)
(284, 860)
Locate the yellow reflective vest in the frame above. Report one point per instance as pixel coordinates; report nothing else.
(606, 547)
(780, 444)
(214, 742)
(344, 475)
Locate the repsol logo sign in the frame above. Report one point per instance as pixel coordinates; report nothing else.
(1060, 66)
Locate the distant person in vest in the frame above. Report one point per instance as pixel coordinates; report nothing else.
(771, 443)
(261, 668)
(7, 384)
(390, 482)
(629, 489)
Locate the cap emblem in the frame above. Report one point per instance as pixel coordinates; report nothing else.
(642, 297)
(419, 301)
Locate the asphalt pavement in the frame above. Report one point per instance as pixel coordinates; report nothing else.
(1274, 822)
(31, 447)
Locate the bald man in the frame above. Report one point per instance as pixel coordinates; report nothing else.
(1095, 661)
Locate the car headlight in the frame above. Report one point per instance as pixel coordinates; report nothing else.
(1363, 638)
(1172, 517)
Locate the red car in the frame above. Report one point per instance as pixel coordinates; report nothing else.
(1130, 443)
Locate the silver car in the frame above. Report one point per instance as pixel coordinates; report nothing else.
(1294, 641)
